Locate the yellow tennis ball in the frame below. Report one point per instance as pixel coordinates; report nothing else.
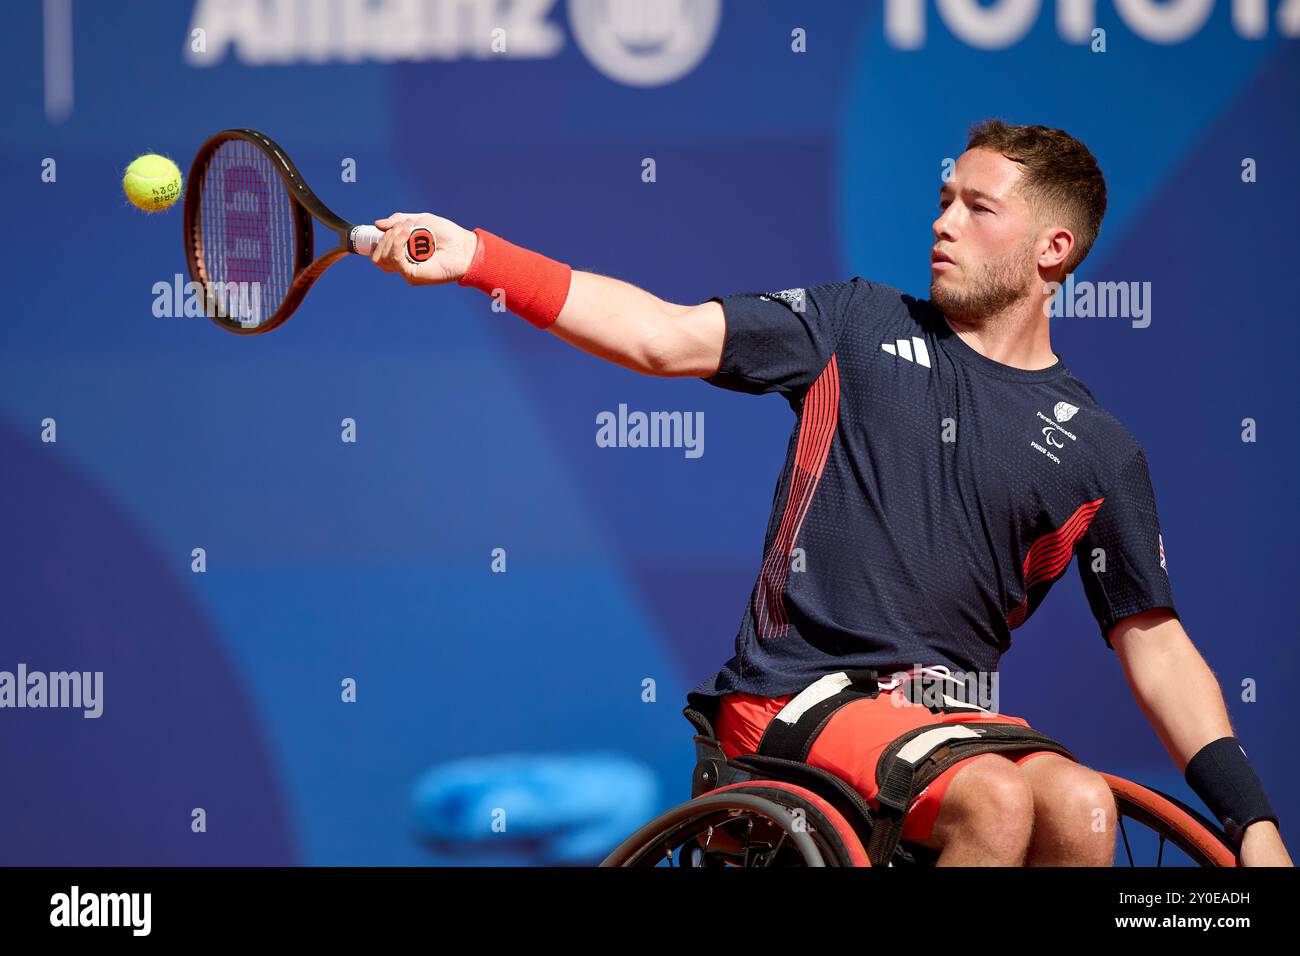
(152, 182)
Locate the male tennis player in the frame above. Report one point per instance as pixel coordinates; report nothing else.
(944, 467)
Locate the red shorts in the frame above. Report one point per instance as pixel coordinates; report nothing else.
(854, 739)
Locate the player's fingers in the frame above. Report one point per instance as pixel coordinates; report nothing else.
(400, 233)
(392, 247)
(382, 253)
(377, 253)
(387, 222)
(388, 243)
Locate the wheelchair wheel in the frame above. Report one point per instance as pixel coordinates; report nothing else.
(761, 824)
(1156, 829)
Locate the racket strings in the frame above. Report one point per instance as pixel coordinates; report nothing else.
(246, 237)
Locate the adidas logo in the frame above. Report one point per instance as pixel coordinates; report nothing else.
(913, 351)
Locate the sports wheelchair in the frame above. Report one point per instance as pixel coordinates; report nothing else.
(771, 808)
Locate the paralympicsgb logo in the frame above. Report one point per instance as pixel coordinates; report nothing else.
(1064, 411)
(645, 42)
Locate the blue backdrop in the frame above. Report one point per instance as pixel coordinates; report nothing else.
(372, 561)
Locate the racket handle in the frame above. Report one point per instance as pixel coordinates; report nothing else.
(363, 239)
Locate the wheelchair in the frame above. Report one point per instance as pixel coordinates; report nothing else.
(773, 809)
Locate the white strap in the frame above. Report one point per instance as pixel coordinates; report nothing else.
(920, 745)
(813, 694)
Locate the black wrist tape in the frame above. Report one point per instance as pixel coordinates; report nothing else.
(1221, 775)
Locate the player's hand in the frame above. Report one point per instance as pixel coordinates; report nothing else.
(453, 248)
(1261, 845)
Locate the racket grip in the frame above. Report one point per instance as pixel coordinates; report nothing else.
(363, 239)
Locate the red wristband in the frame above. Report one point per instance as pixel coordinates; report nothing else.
(535, 287)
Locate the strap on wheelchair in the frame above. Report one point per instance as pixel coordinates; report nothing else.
(791, 733)
(915, 759)
(909, 764)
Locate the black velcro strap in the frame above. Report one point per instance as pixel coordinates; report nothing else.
(1221, 775)
(794, 741)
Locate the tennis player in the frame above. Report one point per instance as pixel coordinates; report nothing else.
(943, 469)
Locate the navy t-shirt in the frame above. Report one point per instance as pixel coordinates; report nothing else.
(930, 496)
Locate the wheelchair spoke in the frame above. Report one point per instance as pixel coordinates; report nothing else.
(771, 855)
(1127, 848)
(749, 835)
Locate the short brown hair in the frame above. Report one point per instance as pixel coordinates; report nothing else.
(1061, 180)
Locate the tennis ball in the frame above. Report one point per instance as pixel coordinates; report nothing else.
(152, 182)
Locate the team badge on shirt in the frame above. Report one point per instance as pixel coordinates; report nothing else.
(791, 297)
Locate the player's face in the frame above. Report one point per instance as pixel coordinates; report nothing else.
(982, 260)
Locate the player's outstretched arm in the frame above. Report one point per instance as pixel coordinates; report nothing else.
(607, 317)
(1181, 699)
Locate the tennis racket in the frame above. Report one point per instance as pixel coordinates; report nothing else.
(250, 235)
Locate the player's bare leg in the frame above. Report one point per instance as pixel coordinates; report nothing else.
(1074, 814)
(987, 816)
